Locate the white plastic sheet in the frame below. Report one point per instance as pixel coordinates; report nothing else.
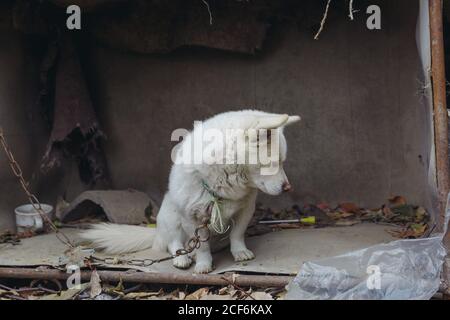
(402, 269)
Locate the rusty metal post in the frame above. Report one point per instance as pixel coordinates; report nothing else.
(264, 281)
(439, 103)
(440, 116)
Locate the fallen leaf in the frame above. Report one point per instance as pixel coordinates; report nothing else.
(119, 287)
(373, 215)
(336, 215)
(404, 213)
(197, 295)
(323, 206)
(141, 295)
(419, 229)
(397, 201)
(387, 212)
(421, 214)
(67, 294)
(413, 231)
(224, 290)
(95, 284)
(349, 207)
(177, 295)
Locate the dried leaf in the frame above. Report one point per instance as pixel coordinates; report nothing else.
(339, 215)
(141, 295)
(373, 215)
(404, 213)
(177, 295)
(95, 284)
(418, 228)
(349, 207)
(397, 201)
(197, 295)
(323, 206)
(415, 230)
(387, 212)
(67, 294)
(421, 214)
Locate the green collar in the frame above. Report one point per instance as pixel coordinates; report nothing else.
(211, 192)
(216, 220)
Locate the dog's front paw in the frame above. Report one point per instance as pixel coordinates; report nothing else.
(243, 255)
(182, 262)
(203, 267)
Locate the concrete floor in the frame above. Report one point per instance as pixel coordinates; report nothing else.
(280, 252)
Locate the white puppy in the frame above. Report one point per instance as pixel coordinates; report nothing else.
(220, 183)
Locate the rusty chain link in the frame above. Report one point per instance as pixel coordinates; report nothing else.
(8, 237)
(193, 243)
(17, 171)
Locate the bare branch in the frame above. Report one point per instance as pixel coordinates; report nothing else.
(350, 9)
(209, 11)
(324, 19)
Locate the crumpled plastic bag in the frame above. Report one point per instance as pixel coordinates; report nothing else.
(402, 269)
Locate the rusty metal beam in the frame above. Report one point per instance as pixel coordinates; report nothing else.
(440, 118)
(439, 103)
(157, 278)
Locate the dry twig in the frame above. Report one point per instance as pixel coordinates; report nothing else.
(324, 19)
(209, 11)
(350, 9)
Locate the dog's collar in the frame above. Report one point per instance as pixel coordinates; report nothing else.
(214, 209)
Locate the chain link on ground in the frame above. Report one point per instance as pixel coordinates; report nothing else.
(192, 244)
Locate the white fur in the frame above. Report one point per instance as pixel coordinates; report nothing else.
(119, 238)
(184, 205)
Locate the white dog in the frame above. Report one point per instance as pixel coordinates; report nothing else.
(230, 188)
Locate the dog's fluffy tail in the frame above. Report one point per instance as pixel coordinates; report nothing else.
(117, 238)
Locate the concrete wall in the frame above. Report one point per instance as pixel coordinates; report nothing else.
(364, 134)
(20, 121)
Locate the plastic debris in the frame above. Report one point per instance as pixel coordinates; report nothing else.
(402, 269)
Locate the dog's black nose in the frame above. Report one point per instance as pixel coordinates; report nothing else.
(287, 187)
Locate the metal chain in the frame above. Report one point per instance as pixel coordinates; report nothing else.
(17, 171)
(193, 243)
(9, 238)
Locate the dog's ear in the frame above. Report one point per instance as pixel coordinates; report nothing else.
(292, 119)
(270, 122)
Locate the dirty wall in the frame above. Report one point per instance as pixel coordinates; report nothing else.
(364, 134)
